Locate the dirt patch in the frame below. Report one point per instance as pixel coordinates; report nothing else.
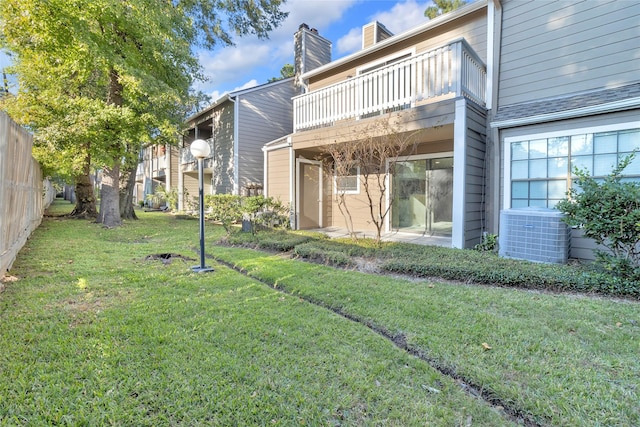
(167, 258)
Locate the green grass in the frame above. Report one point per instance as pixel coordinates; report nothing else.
(565, 359)
(93, 334)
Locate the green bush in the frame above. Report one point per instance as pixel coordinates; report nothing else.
(312, 252)
(608, 211)
(276, 240)
(224, 208)
(265, 213)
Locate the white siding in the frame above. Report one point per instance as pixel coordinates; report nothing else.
(556, 48)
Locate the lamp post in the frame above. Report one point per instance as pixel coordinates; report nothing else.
(200, 149)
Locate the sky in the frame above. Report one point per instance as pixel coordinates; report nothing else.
(252, 62)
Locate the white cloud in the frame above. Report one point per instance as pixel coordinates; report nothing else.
(249, 55)
(398, 18)
(403, 16)
(351, 42)
(215, 95)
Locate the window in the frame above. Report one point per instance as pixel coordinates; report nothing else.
(348, 184)
(541, 168)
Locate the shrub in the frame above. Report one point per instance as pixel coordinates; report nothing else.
(224, 208)
(312, 252)
(609, 213)
(162, 195)
(265, 212)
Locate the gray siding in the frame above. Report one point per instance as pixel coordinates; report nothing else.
(551, 49)
(264, 115)
(223, 167)
(580, 246)
(475, 174)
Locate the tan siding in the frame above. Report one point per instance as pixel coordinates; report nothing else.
(278, 174)
(436, 118)
(472, 27)
(358, 207)
(368, 35)
(556, 48)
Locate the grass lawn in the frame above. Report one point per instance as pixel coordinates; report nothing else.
(92, 333)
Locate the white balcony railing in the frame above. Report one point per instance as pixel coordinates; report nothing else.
(453, 70)
(186, 157)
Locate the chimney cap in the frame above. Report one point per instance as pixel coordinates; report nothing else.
(303, 25)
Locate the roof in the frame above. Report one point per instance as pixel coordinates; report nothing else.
(230, 96)
(573, 105)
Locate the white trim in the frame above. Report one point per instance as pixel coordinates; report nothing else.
(609, 107)
(430, 24)
(494, 31)
(335, 183)
(379, 62)
(320, 190)
(506, 141)
(265, 163)
(459, 174)
(236, 144)
(292, 187)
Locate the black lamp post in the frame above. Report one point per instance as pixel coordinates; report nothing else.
(200, 150)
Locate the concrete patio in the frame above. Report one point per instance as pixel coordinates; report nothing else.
(393, 236)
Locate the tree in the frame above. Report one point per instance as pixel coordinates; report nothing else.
(286, 71)
(131, 61)
(373, 153)
(441, 7)
(608, 211)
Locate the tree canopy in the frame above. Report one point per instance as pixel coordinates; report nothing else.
(441, 7)
(109, 75)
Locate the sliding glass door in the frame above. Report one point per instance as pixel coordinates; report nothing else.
(423, 196)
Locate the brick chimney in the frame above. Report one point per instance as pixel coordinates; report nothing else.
(311, 50)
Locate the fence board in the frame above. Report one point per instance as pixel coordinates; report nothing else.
(23, 194)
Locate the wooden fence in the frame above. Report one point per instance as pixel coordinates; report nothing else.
(23, 194)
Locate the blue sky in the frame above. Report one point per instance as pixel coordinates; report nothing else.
(252, 62)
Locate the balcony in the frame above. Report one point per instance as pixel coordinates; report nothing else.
(449, 71)
(189, 163)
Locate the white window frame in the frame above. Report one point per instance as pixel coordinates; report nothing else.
(506, 184)
(335, 183)
(387, 60)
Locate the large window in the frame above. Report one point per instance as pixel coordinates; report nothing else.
(541, 168)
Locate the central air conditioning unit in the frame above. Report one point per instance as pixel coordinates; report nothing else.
(534, 234)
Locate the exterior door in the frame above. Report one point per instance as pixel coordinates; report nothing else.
(309, 200)
(423, 196)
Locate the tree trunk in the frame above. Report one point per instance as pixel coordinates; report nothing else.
(109, 214)
(127, 185)
(85, 199)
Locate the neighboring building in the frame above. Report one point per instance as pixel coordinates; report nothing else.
(568, 94)
(433, 78)
(239, 123)
(157, 166)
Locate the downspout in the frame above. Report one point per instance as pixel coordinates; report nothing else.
(494, 151)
